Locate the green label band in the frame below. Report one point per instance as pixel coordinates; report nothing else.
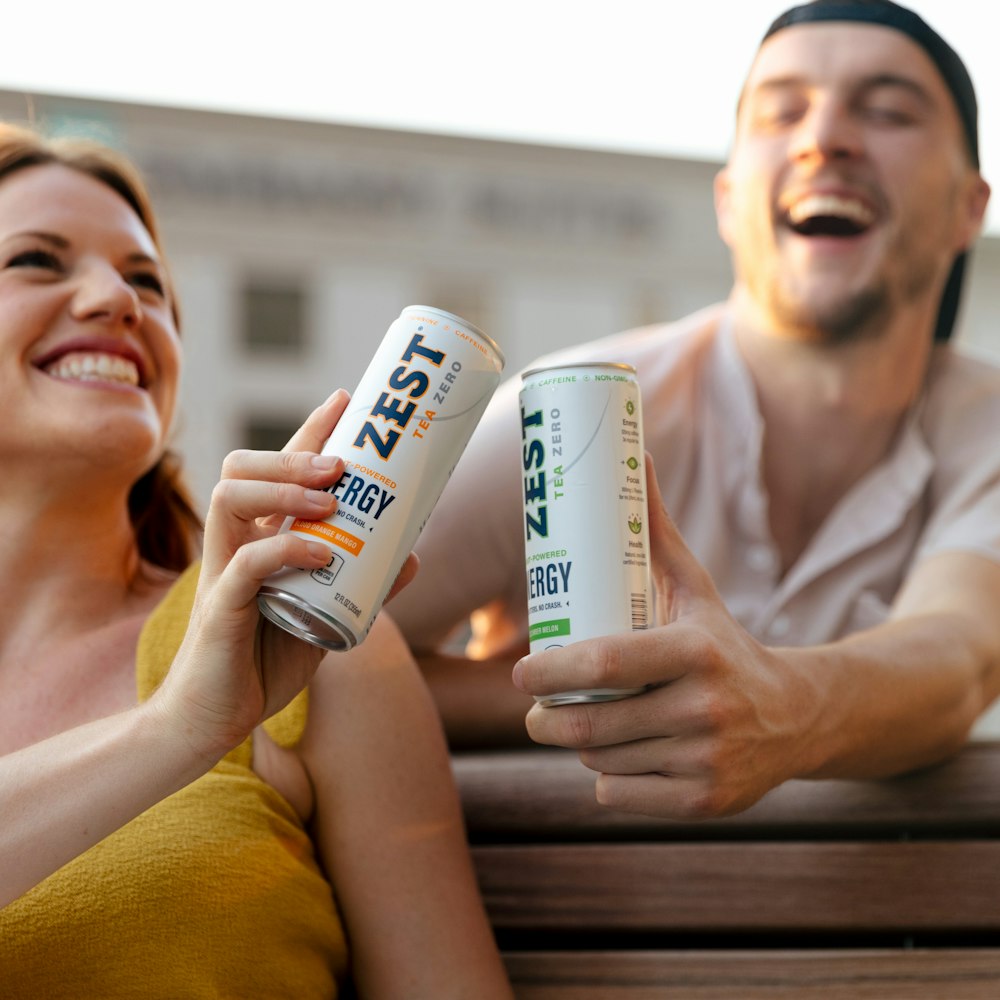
(545, 630)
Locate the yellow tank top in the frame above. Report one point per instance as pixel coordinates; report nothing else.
(214, 892)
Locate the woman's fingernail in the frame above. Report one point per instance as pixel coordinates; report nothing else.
(319, 498)
(319, 550)
(325, 462)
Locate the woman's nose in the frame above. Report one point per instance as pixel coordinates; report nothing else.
(103, 293)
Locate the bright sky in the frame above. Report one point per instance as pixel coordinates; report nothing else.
(654, 76)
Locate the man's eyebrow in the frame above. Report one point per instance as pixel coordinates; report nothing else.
(863, 83)
(779, 83)
(894, 80)
(769, 85)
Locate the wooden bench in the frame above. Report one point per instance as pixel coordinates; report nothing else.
(839, 890)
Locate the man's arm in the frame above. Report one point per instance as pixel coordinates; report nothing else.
(472, 564)
(478, 704)
(728, 719)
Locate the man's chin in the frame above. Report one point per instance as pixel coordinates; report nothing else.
(821, 319)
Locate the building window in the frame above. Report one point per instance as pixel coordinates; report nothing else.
(268, 433)
(274, 318)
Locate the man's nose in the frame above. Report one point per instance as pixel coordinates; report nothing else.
(828, 132)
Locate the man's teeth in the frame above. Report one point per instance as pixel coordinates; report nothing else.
(95, 368)
(830, 205)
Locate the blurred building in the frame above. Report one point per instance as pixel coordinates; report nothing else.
(295, 244)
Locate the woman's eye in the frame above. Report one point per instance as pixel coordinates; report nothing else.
(35, 258)
(149, 281)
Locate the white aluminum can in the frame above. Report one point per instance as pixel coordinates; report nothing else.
(585, 521)
(404, 430)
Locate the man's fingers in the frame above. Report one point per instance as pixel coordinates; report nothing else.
(674, 756)
(686, 798)
(668, 711)
(639, 659)
(677, 574)
(615, 661)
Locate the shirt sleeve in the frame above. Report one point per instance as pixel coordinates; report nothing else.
(963, 419)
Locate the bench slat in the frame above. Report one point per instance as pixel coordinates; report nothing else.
(546, 794)
(919, 974)
(809, 886)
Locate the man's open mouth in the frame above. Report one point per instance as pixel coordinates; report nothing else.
(829, 215)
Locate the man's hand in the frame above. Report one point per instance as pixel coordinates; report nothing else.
(725, 721)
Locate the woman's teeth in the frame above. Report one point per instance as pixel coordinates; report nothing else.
(95, 368)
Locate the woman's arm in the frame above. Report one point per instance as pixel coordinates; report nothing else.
(63, 795)
(390, 832)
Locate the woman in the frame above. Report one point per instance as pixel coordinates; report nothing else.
(156, 838)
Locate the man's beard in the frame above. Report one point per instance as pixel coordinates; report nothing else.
(854, 318)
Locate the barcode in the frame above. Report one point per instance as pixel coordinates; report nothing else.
(640, 611)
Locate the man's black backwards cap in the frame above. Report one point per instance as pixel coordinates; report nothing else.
(952, 70)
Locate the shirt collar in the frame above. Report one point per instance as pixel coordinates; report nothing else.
(871, 509)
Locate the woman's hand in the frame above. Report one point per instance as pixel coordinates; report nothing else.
(234, 669)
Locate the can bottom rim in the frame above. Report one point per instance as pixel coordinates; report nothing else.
(584, 697)
(304, 620)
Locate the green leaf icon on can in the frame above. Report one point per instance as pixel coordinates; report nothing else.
(635, 524)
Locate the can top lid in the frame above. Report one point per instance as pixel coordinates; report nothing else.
(471, 327)
(616, 365)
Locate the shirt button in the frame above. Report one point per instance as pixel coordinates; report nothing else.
(760, 558)
(780, 627)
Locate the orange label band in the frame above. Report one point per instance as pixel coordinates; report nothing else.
(329, 533)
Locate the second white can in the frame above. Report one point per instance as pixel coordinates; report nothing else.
(585, 519)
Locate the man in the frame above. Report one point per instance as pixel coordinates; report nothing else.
(833, 609)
